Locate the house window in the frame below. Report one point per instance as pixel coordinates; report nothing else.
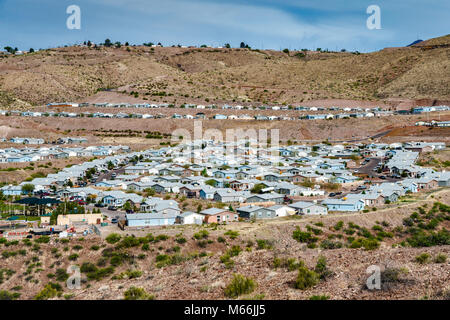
(218, 218)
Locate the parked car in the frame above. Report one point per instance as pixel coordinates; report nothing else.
(112, 208)
(114, 220)
(100, 205)
(382, 177)
(332, 194)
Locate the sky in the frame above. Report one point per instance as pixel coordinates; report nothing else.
(262, 24)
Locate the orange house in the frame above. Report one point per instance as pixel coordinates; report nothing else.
(216, 215)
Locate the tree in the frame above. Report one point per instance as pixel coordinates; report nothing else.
(149, 192)
(257, 188)
(286, 50)
(227, 45)
(204, 173)
(107, 43)
(10, 49)
(242, 45)
(27, 188)
(31, 50)
(127, 206)
(110, 165)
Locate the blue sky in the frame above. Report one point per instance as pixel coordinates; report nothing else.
(267, 24)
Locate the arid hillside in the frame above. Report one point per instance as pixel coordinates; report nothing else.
(210, 75)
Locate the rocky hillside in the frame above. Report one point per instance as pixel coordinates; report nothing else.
(208, 75)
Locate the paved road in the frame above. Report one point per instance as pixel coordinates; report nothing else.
(368, 169)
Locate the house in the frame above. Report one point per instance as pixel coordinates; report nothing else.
(216, 215)
(344, 204)
(266, 197)
(190, 191)
(229, 195)
(150, 219)
(158, 205)
(254, 212)
(70, 219)
(373, 199)
(118, 198)
(11, 190)
(207, 192)
(189, 217)
(304, 207)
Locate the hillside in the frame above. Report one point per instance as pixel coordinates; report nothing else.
(207, 75)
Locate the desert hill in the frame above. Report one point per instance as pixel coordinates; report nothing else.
(213, 75)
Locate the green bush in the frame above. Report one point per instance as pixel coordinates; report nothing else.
(51, 290)
(264, 244)
(440, 258)
(135, 293)
(321, 268)
(423, 258)
(42, 239)
(61, 275)
(232, 234)
(202, 234)
(234, 251)
(73, 257)
(113, 238)
(306, 278)
(304, 237)
(5, 295)
(319, 297)
(239, 285)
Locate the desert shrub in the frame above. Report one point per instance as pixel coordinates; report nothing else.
(321, 268)
(440, 258)
(129, 242)
(77, 247)
(368, 244)
(161, 237)
(264, 244)
(319, 297)
(61, 275)
(239, 285)
(232, 234)
(202, 234)
(338, 226)
(113, 238)
(289, 263)
(423, 239)
(5, 295)
(227, 261)
(423, 258)
(145, 247)
(234, 251)
(42, 239)
(329, 244)
(88, 267)
(135, 293)
(304, 237)
(306, 278)
(202, 243)
(95, 247)
(221, 239)
(180, 240)
(51, 290)
(100, 273)
(73, 257)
